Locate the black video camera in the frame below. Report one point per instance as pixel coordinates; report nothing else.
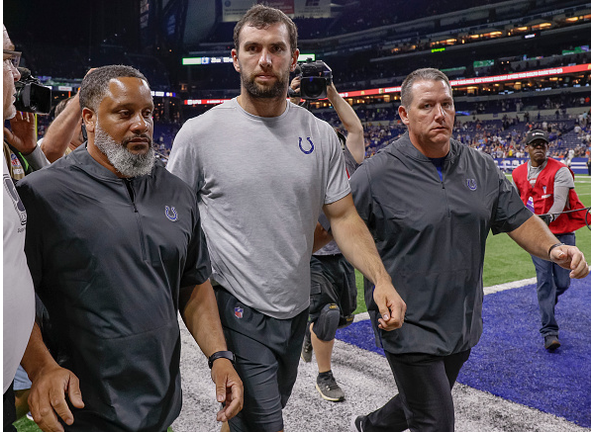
(31, 96)
(315, 76)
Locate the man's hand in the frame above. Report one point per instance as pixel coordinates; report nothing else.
(571, 258)
(296, 87)
(391, 306)
(229, 388)
(22, 134)
(48, 398)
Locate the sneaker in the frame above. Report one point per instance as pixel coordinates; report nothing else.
(551, 342)
(307, 348)
(357, 423)
(326, 385)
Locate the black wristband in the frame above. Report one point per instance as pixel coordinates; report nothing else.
(553, 247)
(221, 354)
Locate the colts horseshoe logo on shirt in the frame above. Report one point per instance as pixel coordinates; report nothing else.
(311, 145)
(171, 213)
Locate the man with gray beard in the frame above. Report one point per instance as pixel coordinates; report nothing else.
(115, 247)
(124, 161)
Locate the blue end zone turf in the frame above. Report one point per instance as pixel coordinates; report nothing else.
(510, 360)
(359, 334)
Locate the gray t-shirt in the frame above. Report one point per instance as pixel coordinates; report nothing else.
(351, 166)
(563, 182)
(18, 294)
(562, 176)
(262, 183)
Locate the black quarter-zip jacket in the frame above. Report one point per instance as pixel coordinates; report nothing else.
(108, 257)
(431, 235)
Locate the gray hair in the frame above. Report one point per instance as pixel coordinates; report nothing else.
(95, 84)
(424, 74)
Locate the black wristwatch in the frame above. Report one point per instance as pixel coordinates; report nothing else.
(221, 354)
(553, 247)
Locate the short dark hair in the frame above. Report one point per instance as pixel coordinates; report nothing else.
(260, 16)
(95, 84)
(424, 74)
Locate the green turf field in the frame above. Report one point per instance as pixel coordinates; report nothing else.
(504, 262)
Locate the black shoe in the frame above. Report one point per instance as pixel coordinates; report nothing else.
(551, 342)
(307, 348)
(357, 423)
(326, 385)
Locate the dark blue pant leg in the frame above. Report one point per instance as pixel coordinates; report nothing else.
(552, 281)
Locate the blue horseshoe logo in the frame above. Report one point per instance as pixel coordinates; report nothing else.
(171, 213)
(310, 142)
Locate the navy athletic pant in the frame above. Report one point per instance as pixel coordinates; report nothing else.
(552, 281)
(424, 402)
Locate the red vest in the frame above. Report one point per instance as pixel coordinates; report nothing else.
(543, 195)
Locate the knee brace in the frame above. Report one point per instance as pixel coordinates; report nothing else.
(327, 323)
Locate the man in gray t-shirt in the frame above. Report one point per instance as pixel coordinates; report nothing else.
(264, 169)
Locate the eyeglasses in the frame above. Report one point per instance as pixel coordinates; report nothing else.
(536, 144)
(14, 57)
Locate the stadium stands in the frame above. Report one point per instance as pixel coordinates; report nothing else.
(376, 45)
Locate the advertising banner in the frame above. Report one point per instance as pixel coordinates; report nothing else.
(578, 165)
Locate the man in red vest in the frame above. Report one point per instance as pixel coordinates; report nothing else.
(546, 187)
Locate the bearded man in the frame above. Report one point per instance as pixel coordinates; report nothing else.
(263, 169)
(115, 249)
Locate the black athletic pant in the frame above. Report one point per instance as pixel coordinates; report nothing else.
(9, 410)
(424, 402)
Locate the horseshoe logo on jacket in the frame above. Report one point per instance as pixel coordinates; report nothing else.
(171, 213)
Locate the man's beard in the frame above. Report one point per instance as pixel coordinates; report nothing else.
(126, 163)
(278, 89)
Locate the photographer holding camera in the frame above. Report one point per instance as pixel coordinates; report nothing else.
(333, 296)
(20, 141)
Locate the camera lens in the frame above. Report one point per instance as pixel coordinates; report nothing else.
(313, 88)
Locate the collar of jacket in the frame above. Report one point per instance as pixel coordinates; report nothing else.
(403, 146)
